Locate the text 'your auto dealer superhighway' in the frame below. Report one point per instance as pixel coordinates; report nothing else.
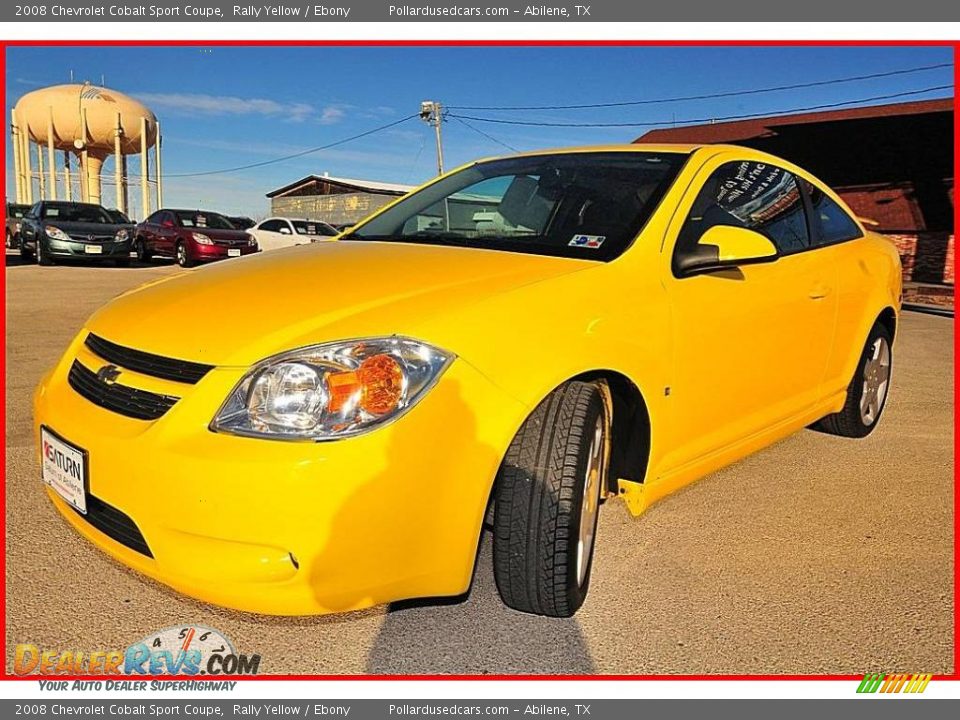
(189, 11)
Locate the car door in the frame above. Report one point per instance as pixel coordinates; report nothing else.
(268, 233)
(30, 227)
(167, 231)
(751, 343)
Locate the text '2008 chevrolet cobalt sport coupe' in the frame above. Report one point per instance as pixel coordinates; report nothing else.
(523, 337)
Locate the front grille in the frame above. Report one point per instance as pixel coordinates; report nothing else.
(147, 363)
(139, 404)
(93, 238)
(114, 524)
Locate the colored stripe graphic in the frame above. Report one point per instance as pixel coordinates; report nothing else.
(894, 683)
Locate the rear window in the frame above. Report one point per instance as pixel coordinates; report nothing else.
(835, 225)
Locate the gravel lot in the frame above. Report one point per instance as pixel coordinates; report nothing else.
(817, 555)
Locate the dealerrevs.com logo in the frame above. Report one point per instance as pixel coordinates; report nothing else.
(181, 650)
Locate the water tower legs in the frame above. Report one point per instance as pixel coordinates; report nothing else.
(118, 166)
(92, 165)
(144, 171)
(41, 177)
(67, 178)
(17, 170)
(27, 168)
(157, 153)
(51, 158)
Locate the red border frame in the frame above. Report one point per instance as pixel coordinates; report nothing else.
(4, 44)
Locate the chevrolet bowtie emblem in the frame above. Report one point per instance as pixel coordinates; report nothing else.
(108, 374)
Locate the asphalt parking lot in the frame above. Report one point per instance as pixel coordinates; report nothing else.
(818, 555)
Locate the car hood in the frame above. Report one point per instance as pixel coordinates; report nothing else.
(242, 310)
(86, 228)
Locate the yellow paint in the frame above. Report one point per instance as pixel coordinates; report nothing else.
(302, 527)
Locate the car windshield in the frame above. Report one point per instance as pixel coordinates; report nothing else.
(77, 213)
(201, 219)
(119, 217)
(581, 205)
(309, 227)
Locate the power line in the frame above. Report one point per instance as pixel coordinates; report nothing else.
(328, 146)
(481, 132)
(699, 121)
(710, 96)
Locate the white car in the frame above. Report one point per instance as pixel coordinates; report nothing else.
(278, 232)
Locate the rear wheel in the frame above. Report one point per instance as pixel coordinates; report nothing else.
(547, 502)
(143, 253)
(183, 257)
(867, 392)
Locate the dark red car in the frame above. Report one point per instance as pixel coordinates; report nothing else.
(190, 237)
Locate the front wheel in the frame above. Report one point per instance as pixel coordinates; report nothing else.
(547, 502)
(183, 257)
(143, 253)
(25, 252)
(42, 257)
(867, 392)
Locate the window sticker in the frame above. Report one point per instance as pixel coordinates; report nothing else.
(588, 241)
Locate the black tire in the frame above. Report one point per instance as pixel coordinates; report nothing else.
(42, 257)
(143, 253)
(540, 500)
(182, 256)
(850, 421)
(25, 252)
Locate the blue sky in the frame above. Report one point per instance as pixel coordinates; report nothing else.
(226, 106)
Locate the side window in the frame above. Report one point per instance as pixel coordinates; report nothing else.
(272, 225)
(153, 219)
(830, 221)
(34, 211)
(754, 195)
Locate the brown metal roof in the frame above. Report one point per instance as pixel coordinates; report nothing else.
(739, 130)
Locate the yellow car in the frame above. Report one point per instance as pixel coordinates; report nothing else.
(520, 339)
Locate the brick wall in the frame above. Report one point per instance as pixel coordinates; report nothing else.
(927, 257)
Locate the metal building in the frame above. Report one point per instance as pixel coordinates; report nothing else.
(338, 201)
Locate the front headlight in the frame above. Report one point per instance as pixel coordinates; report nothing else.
(55, 233)
(251, 241)
(331, 391)
(121, 235)
(202, 239)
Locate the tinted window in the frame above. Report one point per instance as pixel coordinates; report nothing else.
(754, 195)
(587, 205)
(76, 213)
(309, 227)
(832, 220)
(155, 218)
(201, 219)
(272, 225)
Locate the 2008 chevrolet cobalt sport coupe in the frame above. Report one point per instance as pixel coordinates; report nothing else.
(522, 338)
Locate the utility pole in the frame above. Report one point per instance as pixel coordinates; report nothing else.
(431, 112)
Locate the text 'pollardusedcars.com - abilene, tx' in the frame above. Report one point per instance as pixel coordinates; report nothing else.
(193, 12)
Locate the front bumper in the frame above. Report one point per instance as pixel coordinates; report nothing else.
(78, 250)
(291, 528)
(206, 253)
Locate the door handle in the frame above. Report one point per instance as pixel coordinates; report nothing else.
(820, 291)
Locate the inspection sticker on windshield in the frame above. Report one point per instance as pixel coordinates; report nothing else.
(588, 241)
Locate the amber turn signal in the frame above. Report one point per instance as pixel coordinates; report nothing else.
(378, 382)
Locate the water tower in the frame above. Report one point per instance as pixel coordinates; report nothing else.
(90, 123)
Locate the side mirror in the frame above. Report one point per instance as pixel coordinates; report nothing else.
(723, 247)
(285, 231)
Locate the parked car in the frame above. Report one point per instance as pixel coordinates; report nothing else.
(241, 222)
(278, 232)
(14, 215)
(190, 237)
(62, 230)
(119, 216)
(619, 322)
